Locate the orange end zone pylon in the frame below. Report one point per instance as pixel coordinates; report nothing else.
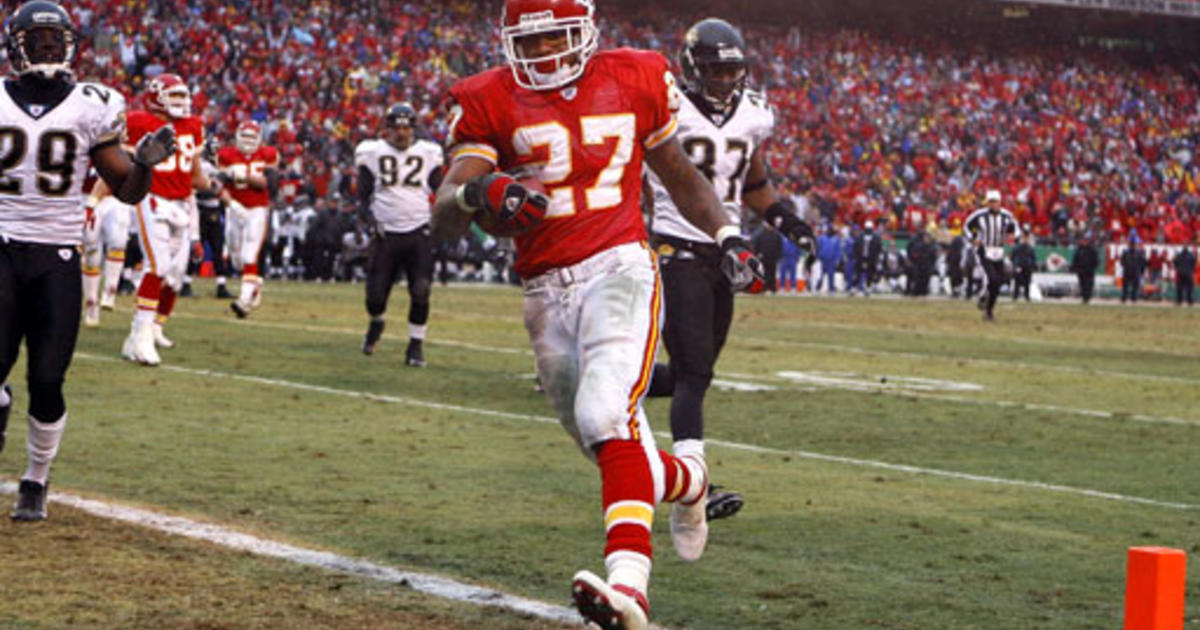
(1154, 588)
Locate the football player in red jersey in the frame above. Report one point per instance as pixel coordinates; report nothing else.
(166, 220)
(247, 166)
(585, 121)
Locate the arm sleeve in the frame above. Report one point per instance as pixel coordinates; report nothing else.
(659, 102)
(469, 133)
(365, 185)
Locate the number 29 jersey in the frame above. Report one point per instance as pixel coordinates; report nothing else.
(585, 142)
(172, 176)
(721, 149)
(401, 196)
(44, 155)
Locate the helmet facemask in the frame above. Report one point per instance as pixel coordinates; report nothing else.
(46, 52)
(177, 101)
(721, 81)
(248, 139)
(550, 70)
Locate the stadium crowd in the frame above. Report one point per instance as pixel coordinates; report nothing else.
(904, 131)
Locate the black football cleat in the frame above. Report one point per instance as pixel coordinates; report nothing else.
(31, 502)
(223, 293)
(186, 291)
(374, 333)
(413, 357)
(4, 416)
(722, 504)
(238, 310)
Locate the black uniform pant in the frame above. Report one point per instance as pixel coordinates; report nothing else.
(1021, 281)
(1184, 285)
(994, 270)
(392, 254)
(212, 234)
(1087, 282)
(40, 293)
(698, 303)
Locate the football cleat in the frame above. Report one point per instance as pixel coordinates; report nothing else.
(31, 501)
(722, 504)
(238, 309)
(108, 300)
(256, 299)
(374, 333)
(223, 293)
(4, 411)
(413, 357)
(615, 607)
(91, 314)
(139, 345)
(186, 291)
(160, 339)
(689, 527)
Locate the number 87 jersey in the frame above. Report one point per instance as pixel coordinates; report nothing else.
(585, 142)
(172, 176)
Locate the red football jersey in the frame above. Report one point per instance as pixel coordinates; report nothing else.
(586, 140)
(241, 166)
(172, 176)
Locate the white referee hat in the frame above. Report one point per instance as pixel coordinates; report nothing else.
(992, 195)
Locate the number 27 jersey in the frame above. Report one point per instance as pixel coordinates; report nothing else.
(44, 153)
(585, 142)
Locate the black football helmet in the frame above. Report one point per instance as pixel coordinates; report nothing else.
(50, 55)
(714, 61)
(401, 115)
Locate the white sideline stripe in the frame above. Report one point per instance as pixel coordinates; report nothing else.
(753, 386)
(422, 582)
(666, 435)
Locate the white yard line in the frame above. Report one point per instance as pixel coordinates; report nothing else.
(437, 586)
(415, 402)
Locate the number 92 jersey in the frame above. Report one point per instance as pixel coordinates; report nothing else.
(721, 149)
(44, 155)
(585, 141)
(172, 176)
(401, 197)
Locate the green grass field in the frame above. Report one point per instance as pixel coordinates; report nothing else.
(1001, 492)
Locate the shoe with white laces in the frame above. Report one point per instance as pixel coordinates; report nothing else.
(611, 607)
(160, 339)
(139, 345)
(91, 314)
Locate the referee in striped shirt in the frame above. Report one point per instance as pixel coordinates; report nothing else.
(988, 229)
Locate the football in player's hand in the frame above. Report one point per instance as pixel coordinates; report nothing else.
(490, 224)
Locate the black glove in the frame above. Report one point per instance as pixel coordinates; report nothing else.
(741, 267)
(155, 147)
(503, 198)
(781, 215)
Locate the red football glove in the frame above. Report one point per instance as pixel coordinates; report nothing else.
(741, 267)
(197, 252)
(505, 199)
(89, 218)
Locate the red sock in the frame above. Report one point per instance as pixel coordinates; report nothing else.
(166, 301)
(149, 292)
(250, 270)
(628, 495)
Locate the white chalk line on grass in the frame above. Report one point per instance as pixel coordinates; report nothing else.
(437, 586)
(757, 386)
(403, 400)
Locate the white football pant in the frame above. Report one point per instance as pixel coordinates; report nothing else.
(163, 233)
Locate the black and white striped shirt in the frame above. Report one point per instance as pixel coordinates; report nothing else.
(990, 228)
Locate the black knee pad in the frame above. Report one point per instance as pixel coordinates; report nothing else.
(419, 292)
(376, 308)
(46, 402)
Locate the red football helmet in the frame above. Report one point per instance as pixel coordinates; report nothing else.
(248, 136)
(548, 70)
(168, 94)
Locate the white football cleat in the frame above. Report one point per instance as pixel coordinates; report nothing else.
(689, 521)
(91, 314)
(608, 606)
(108, 300)
(161, 339)
(256, 299)
(139, 346)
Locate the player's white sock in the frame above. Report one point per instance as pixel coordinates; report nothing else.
(91, 285)
(417, 331)
(5, 399)
(114, 262)
(42, 445)
(628, 568)
(691, 454)
(251, 285)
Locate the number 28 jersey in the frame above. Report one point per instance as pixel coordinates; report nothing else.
(402, 190)
(721, 149)
(585, 142)
(44, 155)
(172, 176)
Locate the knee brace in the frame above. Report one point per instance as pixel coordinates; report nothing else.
(46, 402)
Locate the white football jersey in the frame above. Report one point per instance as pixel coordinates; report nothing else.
(401, 201)
(721, 152)
(44, 157)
